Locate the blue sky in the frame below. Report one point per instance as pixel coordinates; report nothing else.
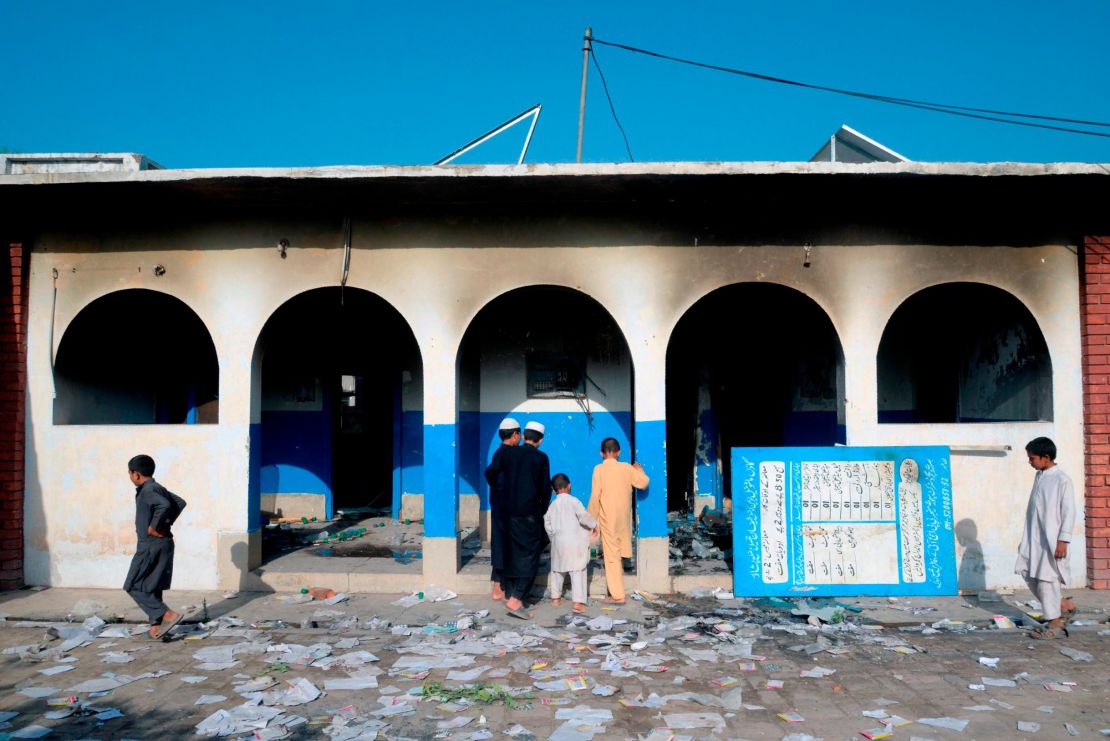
(233, 84)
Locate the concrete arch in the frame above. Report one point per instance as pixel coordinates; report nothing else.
(61, 327)
(718, 399)
(525, 286)
(499, 369)
(1009, 290)
(304, 455)
(930, 411)
(100, 379)
(822, 303)
(258, 329)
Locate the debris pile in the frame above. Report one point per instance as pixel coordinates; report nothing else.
(703, 544)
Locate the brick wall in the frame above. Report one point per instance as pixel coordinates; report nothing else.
(1094, 303)
(13, 383)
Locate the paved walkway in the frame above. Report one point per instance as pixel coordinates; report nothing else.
(60, 604)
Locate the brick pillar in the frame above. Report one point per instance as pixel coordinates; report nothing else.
(13, 386)
(1094, 300)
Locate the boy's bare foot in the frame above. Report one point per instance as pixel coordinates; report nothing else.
(579, 608)
(497, 592)
(556, 600)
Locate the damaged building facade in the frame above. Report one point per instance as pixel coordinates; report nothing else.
(308, 340)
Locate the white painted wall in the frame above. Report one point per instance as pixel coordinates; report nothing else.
(77, 496)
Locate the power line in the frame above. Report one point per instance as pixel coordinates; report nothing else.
(612, 108)
(954, 110)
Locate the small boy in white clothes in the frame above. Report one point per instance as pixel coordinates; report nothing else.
(570, 527)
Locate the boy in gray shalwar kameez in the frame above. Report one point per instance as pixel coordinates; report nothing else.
(152, 566)
(1043, 553)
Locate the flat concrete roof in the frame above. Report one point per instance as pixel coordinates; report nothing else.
(1007, 203)
(619, 169)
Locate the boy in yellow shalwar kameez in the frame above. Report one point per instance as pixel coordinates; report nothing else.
(611, 504)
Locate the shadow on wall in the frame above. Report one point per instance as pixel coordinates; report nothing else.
(972, 574)
(240, 563)
(33, 512)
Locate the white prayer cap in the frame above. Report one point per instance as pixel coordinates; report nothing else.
(534, 426)
(509, 424)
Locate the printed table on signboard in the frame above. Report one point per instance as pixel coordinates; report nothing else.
(842, 521)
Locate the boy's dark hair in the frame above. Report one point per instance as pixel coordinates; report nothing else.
(506, 434)
(143, 464)
(1041, 446)
(610, 445)
(533, 436)
(560, 481)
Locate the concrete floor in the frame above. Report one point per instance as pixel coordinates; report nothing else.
(386, 560)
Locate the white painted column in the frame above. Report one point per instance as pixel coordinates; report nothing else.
(238, 523)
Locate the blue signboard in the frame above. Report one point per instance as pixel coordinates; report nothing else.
(842, 521)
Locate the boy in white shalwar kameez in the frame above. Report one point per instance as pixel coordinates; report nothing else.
(570, 527)
(1043, 553)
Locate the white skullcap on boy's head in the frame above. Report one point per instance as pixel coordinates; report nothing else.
(536, 426)
(509, 424)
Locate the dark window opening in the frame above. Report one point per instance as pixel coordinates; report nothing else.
(136, 357)
(555, 375)
(962, 353)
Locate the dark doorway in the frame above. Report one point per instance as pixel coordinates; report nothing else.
(336, 368)
(749, 365)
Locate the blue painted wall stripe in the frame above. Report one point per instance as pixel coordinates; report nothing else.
(572, 441)
(651, 452)
(440, 483)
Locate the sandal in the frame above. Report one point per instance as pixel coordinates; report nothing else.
(611, 601)
(520, 614)
(168, 625)
(579, 609)
(1044, 634)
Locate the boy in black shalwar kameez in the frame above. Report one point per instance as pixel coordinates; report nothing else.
(152, 566)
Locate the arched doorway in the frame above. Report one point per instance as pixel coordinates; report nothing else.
(136, 357)
(963, 352)
(341, 406)
(551, 355)
(749, 365)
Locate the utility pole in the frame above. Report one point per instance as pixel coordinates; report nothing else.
(587, 45)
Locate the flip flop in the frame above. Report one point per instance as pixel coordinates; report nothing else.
(167, 627)
(520, 614)
(611, 601)
(150, 637)
(1049, 634)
